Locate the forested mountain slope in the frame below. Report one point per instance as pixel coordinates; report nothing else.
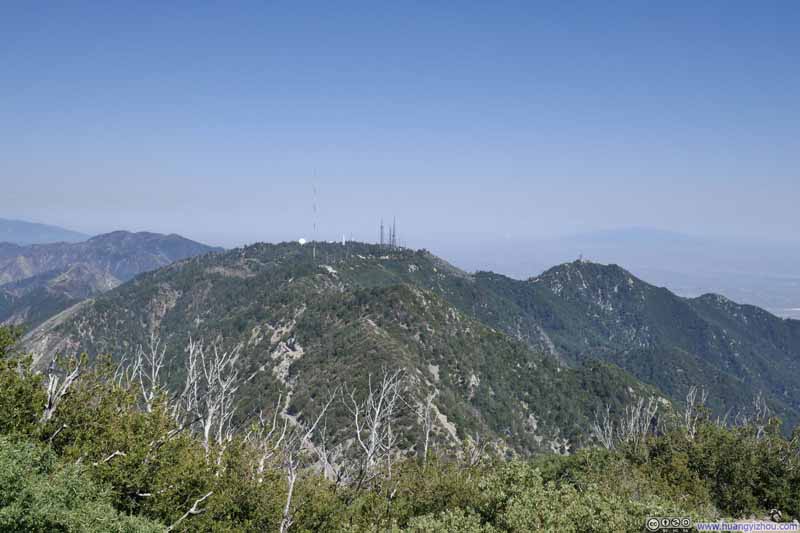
(603, 312)
(517, 359)
(307, 326)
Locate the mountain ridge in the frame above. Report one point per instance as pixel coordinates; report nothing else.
(23, 233)
(664, 338)
(38, 280)
(303, 327)
(574, 316)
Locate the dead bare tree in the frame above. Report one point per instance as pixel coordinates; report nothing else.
(722, 420)
(293, 447)
(694, 410)
(757, 416)
(267, 437)
(146, 369)
(761, 415)
(637, 422)
(603, 428)
(58, 388)
(292, 464)
(427, 419)
(209, 392)
(330, 458)
(791, 454)
(122, 372)
(289, 444)
(426, 416)
(185, 405)
(372, 419)
(631, 428)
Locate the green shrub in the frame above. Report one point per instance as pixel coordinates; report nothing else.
(39, 493)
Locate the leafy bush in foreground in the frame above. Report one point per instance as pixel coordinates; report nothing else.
(103, 463)
(38, 493)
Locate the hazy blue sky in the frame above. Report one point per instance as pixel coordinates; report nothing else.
(466, 120)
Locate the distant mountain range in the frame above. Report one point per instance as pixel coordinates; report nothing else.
(37, 281)
(752, 271)
(21, 232)
(525, 361)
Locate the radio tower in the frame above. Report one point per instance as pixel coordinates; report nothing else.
(314, 237)
(381, 233)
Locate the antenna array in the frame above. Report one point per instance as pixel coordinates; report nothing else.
(392, 240)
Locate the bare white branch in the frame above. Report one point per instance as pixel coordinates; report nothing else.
(209, 392)
(694, 411)
(194, 510)
(603, 429)
(117, 453)
(426, 416)
(57, 389)
(146, 369)
(372, 419)
(292, 446)
(637, 422)
(631, 429)
(267, 438)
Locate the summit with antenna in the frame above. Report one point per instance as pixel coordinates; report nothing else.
(392, 237)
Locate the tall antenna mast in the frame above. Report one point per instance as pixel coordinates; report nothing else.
(381, 233)
(314, 246)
